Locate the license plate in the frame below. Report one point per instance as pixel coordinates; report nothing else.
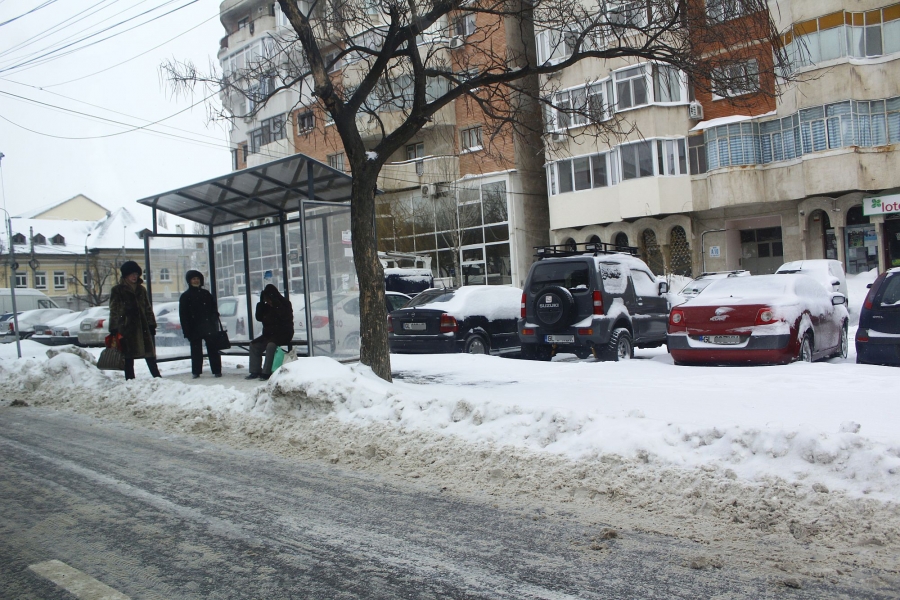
(722, 339)
(560, 339)
(85, 326)
(414, 327)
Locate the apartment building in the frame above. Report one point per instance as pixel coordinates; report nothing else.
(473, 201)
(734, 178)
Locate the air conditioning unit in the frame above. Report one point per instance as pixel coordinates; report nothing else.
(558, 137)
(695, 110)
(456, 42)
(428, 190)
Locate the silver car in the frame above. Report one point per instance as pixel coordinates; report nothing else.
(93, 330)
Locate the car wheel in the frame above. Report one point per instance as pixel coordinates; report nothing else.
(805, 353)
(620, 346)
(475, 344)
(844, 348)
(352, 341)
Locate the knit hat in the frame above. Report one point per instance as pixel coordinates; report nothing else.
(129, 266)
(191, 274)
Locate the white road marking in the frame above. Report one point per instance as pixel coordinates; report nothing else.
(72, 580)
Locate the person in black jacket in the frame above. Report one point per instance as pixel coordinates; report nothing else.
(275, 313)
(199, 322)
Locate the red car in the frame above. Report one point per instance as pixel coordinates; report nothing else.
(764, 319)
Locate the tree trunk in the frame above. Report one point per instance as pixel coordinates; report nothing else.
(374, 350)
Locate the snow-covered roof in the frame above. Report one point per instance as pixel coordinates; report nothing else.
(119, 229)
(31, 214)
(728, 120)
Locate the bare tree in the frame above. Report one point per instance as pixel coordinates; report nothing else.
(382, 70)
(95, 271)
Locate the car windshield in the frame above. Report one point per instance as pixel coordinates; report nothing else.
(574, 276)
(695, 287)
(429, 296)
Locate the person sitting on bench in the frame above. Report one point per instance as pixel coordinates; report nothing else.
(275, 313)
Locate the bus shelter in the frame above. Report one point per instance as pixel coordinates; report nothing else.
(287, 223)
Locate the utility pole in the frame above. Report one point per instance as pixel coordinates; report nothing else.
(12, 261)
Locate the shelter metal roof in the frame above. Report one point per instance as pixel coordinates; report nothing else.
(257, 192)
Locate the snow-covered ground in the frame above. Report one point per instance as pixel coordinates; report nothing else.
(803, 453)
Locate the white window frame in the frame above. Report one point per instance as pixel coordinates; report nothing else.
(464, 25)
(720, 11)
(662, 73)
(336, 161)
(629, 80)
(59, 280)
(554, 45)
(414, 151)
(632, 13)
(40, 280)
(306, 121)
(165, 275)
(21, 279)
(749, 70)
(470, 139)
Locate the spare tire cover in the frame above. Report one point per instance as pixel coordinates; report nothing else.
(553, 307)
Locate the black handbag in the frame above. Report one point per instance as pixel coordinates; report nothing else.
(220, 338)
(111, 360)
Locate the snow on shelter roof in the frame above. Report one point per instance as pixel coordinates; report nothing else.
(267, 190)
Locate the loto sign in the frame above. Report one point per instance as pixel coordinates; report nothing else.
(881, 205)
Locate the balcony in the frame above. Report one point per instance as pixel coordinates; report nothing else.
(415, 173)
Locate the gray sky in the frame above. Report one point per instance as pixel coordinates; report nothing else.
(116, 170)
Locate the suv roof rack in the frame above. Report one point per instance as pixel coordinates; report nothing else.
(595, 248)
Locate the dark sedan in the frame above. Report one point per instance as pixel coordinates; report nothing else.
(473, 319)
(878, 336)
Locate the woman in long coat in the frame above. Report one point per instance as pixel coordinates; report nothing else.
(199, 322)
(131, 316)
(275, 313)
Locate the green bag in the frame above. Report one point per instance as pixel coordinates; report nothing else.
(278, 360)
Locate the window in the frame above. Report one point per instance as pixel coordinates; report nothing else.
(333, 64)
(637, 160)
(671, 157)
(644, 283)
(243, 23)
(336, 161)
(580, 173)
(270, 130)
(164, 275)
(58, 240)
(306, 122)
(630, 14)
(21, 280)
(555, 46)
(414, 151)
(464, 25)
(734, 144)
(19, 239)
(697, 152)
(470, 139)
(720, 11)
(736, 79)
(631, 88)
(39, 240)
(59, 280)
(40, 280)
(667, 84)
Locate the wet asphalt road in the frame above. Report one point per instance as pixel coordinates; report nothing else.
(155, 515)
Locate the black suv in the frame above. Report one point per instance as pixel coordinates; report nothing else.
(602, 300)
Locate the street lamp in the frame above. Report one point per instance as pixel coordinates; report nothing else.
(12, 261)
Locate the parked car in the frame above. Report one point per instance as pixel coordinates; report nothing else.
(704, 279)
(758, 320)
(168, 325)
(233, 314)
(829, 273)
(67, 332)
(93, 330)
(601, 302)
(43, 333)
(878, 335)
(474, 319)
(395, 300)
(27, 320)
(26, 299)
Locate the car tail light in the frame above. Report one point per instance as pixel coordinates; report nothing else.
(598, 303)
(390, 324)
(448, 324)
(765, 316)
(870, 297)
(319, 321)
(585, 332)
(862, 335)
(528, 332)
(12, 327)
(676, 317)
(522, 306)
(99, 323)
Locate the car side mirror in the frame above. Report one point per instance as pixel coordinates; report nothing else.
(838, 299)
(663, 287)
(868, 286)
(835, 281)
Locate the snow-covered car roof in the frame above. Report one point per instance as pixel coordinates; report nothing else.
(490, 301)
(627, 260)
(812, 264)
(751, 290)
